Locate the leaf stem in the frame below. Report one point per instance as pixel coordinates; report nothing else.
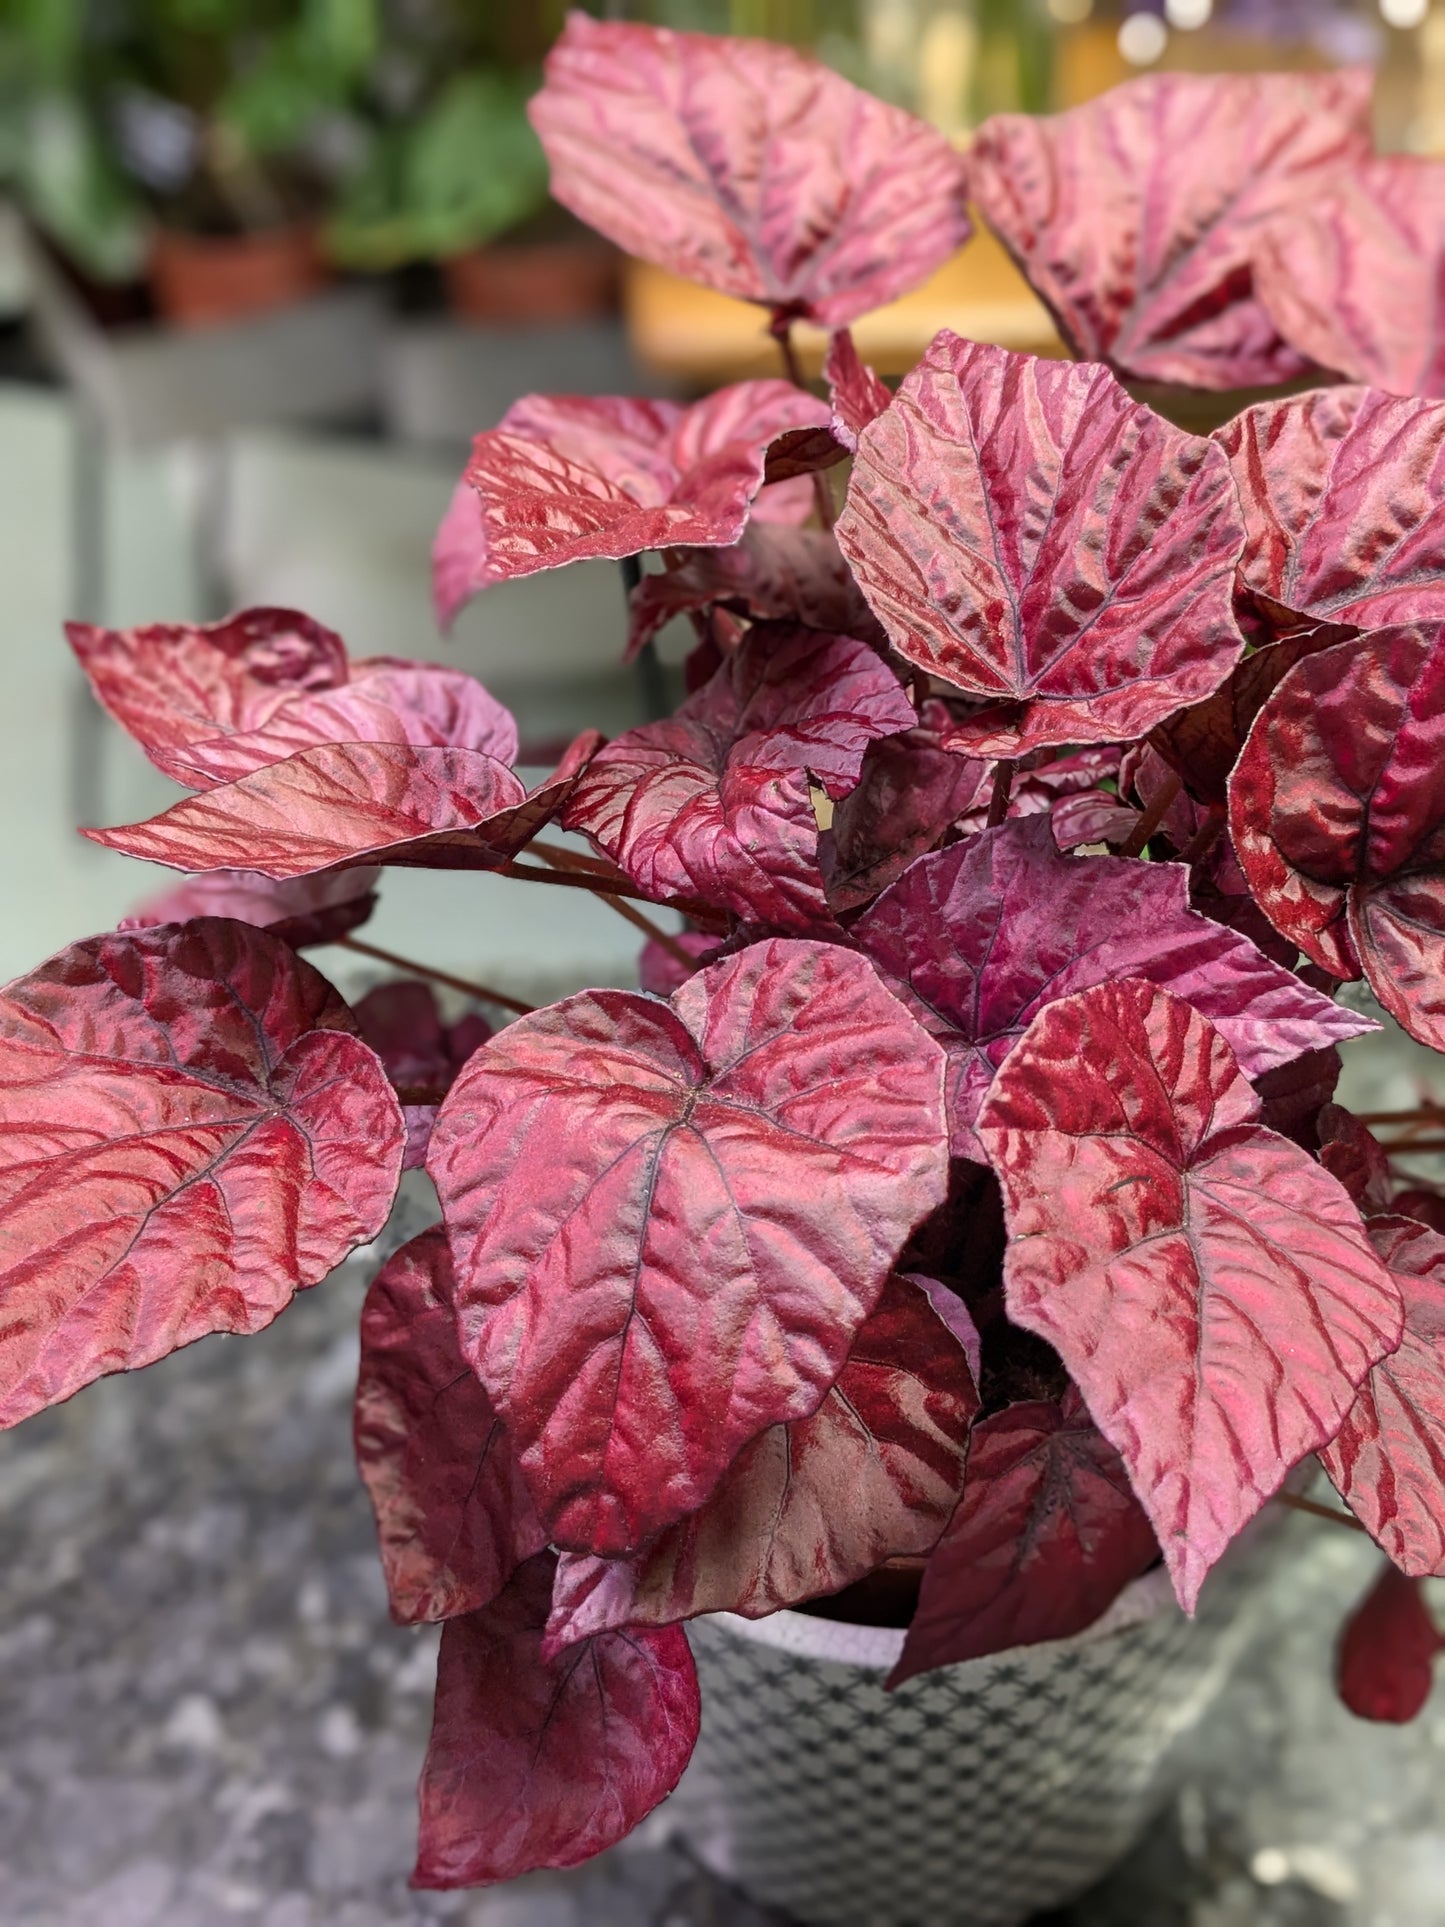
(1153, 816)
(1411, 1146)
(468, 989)
(781, 329)
(1430, 1112)
(1003, 782)
(1318, 1511)
(568, 859)
(1203, 839)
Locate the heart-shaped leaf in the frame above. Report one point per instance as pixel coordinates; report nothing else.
(715, 804)
(192, 1132)
(1210, 1289)
(1353, 280)
(1386, 1665)
(1028, 533)
(452, 1513)
(543, 1764)
(1135, 216)
(1046, 1535)
(306, 911)
(748, 167)
(987, 932)
(1337, 811)
(811, 1506)
(669, 1223)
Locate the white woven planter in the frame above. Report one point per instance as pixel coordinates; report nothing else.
(972, 1796)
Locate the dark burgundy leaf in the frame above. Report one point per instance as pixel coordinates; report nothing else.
(403, 1026)
(1046, 1535)
(1210, 1289)
(748, 167)
(1218, 890)
(1135, 216)
(1423, 1202)
(908, 794)
(309, 910)
(452, 1513)
(1351, 1153)
(802, 452)
(812, 1506)
(715, 804)
(565, 477)
(660, 973)
(668, 1224)
(1028, 533)
(1388, 1459)
(857, 394)
(1353, 280)
(192, 1132)
(543, 1764)
(1292, 1098)
(1386, 1664)
(1337, 810)
(985, 933)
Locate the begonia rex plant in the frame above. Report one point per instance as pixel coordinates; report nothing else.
(962, 1197)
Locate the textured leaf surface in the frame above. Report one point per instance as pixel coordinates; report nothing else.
(715, 803)
(857, 394)
(669, 1223)
(536, 1764)
(1337, 811)
(1386, 1664)
(1355, 285)
(1210, 1289)
(1046, 1535)
(811, 1506)
(309, 910)
(192, 1132)
(567, 477)
(987, 932)
(1388, 1459)
(747, 167)
(1135, 215)
(1028, 533)
(452, 1514)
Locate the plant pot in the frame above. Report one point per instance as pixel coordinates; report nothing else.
(971, 1797)
(201, 279)
(568, 280)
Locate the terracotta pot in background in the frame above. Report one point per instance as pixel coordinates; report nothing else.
(201, 279)
(569, 280)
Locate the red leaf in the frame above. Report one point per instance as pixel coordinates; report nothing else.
(659, 972)
(1337, 810)
(908, 794)
(1024, 530)
(715, 803)
(1351, 1153)
(858, 395)
(1046, 1535)
(748, 167)
(345, 803)
(208, 702)
(1209, 1288)
(565, 477)
(192, 1132)
(1091, 816)
(452, 1513)
(403, 1026)
(1386, 1664)
(310, 910)
(1388, 1459)
(1340, 489)
(1353, 280)
(668, 1224)
(986, 933)
(772, 574)
(1135, 216)
(543, 1764)
(812, 1506)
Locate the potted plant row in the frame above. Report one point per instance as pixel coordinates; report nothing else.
(893, 1312)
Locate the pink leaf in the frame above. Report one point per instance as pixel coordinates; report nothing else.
(1135, 216)
(909, 792)
(1386, 1665)
(1028, 533)
(988, 932)
(1091, 816)
(668, 1224)
(458, 557)
(811, 1506)
(858, 395)
(543, 1764)
(310, 910)
(1209, 1288)
(1352, 279)
(1388, 1459)
(1351, 1153)
(1337, 811)
(748, 167)
(715, 803)
(660, 973)
(567, 477)
(1046, 1535)
(192, 1133)
(452, 1513)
